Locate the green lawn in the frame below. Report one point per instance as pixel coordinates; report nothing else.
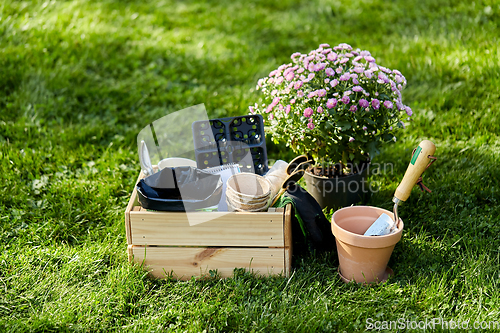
(79, 79)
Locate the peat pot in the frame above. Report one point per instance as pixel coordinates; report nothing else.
(363, 258)
(338, 191)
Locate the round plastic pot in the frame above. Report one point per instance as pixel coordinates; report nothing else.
(338, 191)
(363, 258)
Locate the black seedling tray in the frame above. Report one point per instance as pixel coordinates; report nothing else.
(232, 139)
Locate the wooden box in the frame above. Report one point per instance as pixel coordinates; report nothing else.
(166, 244)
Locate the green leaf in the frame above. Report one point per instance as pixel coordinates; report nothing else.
(344, 125)
(373, 149)
(328, 125)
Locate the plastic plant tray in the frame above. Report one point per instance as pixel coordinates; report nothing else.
(228, 140)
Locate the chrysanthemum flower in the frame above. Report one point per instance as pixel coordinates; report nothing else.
(308, 112)
(331, 103)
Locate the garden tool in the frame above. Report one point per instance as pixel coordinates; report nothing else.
(278, 173)
(145, 160)
(290, 180)
(418, 164)
(298, 163)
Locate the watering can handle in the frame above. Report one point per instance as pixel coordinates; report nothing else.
(420, 159)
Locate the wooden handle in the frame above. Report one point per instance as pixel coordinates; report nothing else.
(278, 196)
(419, 161)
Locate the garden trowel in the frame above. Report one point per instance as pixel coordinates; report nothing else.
(421, 159)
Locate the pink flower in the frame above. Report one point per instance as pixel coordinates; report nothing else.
(287, 109)
(273, 73)
(334, 83)
(351, 139)
(298, 85)
(357, 89)
(364, 103)
(321, 93)
(310, 76)
(358, 69)
(375, 104)
(355, 81)
(324, 45)
(308, 112)
(252, 110)
(345, 99)
(388, 104)
(269, 108)
(332, 56)
(280, 107)
(344, 60)
(271, 116)
(295, 55)
(400, 105)
(275, 102)
(300, 94)
(358, 58)
(327, 80)
(310, 126)
(332, 102)
(300, 70)
(345, 77)
(290, 76)
(311, 94)
(292, 101)
(368, 74)
(280, 80)
(345, 46)
(385, 70)
(329, 72)
(408, 110)
(319, 67)
(369, 58)
(383, 77)
(319, 110)
(339, 70)
(365, 128)
(353, 108)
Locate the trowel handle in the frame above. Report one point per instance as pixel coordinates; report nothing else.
(418, 163)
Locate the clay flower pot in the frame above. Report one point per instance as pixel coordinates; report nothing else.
(363, 258)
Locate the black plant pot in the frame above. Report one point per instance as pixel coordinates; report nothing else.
(340, 191)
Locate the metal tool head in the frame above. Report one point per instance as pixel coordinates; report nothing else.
(293, 178)
(298, 163)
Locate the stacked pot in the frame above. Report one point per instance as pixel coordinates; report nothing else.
(248, 192)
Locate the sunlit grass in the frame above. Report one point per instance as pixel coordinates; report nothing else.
(79, 79)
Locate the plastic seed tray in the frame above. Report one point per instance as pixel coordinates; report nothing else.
(229, 140)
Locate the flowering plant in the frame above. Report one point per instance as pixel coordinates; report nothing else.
(333, 103)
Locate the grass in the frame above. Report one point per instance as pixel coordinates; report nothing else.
(79, 79)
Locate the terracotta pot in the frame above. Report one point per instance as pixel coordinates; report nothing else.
(363, 258)
(338, 191)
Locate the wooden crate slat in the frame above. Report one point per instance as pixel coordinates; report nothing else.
(224, 229)
(192, 261)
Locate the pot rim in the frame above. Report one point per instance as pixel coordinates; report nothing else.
(365, 166)
(363, 241)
